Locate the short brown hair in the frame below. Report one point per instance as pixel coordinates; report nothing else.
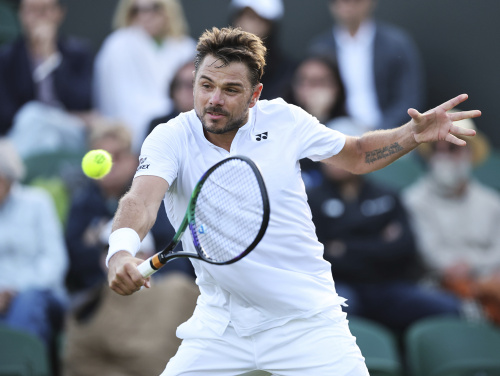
(231, 44)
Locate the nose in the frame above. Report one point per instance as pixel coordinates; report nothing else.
(217, 98)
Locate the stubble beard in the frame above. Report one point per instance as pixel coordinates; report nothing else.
(232, 124)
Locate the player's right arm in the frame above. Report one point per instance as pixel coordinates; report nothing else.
(137, 210)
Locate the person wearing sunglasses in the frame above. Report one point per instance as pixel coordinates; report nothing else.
(138, 61)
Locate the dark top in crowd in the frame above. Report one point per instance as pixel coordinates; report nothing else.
(367, 239)
(181, 93)
(41, 65)
(89, 209)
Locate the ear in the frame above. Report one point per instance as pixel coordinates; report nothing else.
(256, 95)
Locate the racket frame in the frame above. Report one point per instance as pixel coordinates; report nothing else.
(158, 260)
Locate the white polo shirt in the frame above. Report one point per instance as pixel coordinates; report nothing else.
(285, 277)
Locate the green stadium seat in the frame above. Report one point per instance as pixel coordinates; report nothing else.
(489, 171)
(378, 346)
(400, 173)
(450, 346)
(22, 354)
(63, 164)
(9, 26)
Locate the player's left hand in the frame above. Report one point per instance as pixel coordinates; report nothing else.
(437, 124)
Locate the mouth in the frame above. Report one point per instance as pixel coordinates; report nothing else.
(214, 115)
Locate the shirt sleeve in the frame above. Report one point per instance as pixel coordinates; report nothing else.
(162, 151)
(317, 142)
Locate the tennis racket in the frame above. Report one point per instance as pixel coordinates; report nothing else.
(227, 216)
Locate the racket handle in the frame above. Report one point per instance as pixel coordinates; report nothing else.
(145, 268)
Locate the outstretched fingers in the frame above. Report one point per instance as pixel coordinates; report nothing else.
(456, 116)
(448, 105)
(454, 140)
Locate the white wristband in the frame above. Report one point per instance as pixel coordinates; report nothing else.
(123, 239)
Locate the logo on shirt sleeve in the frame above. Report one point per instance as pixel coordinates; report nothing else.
(142, 164)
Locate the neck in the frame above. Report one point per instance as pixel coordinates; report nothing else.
(223, 141)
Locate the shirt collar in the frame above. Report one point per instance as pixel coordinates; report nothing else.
(365, 34)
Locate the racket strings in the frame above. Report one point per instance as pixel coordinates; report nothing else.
(228, 212)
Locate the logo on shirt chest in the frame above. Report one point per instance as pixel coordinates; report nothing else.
(261, 136)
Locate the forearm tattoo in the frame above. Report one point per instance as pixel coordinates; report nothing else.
(386, 151)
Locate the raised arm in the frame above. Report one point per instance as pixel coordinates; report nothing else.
(375, 150)
(136, 212)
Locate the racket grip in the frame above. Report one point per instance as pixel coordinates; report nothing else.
(145, 268)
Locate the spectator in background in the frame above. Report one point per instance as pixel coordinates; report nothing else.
(181, 93)
(101, 323)
(33, 257)
(138, 61)
(456, 221)
(369, 242)
(43, 79)
(317, 88)
(94, 205)
(379, 64)
(262, 17)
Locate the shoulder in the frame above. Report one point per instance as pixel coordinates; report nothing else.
(9, 50)
(279, 111)
(75, 45)
(174, 130)
(120, 38)
(324, 39)
(33, 196)
(391, 35)
(487, 193)
(416, 193)
(184, 41)
(377, 189)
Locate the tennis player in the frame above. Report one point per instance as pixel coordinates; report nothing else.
(276, 310)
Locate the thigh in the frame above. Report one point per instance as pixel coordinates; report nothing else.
(228, 355)
(319, 346)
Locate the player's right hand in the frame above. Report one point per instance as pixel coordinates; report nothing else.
(123, 276)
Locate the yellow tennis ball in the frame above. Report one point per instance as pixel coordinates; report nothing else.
(96, 164)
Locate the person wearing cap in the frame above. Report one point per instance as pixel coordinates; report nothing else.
(262, 18)
(33, 258)
(456, 217)
(379, 63)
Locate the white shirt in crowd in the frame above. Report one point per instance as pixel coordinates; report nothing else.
(355, 59)
(133, 74)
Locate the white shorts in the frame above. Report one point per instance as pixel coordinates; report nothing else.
(319, 346)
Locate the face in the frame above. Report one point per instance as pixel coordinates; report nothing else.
(5, 186)
(182, 89)
(150, 15)
(450, 166)
(223, 95)
(35, 12)
(351, 12)
(315, 86)
(251, 22)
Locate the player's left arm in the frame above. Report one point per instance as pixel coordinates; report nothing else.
(377, 149)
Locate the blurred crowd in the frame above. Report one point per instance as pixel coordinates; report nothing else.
(397, 255)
